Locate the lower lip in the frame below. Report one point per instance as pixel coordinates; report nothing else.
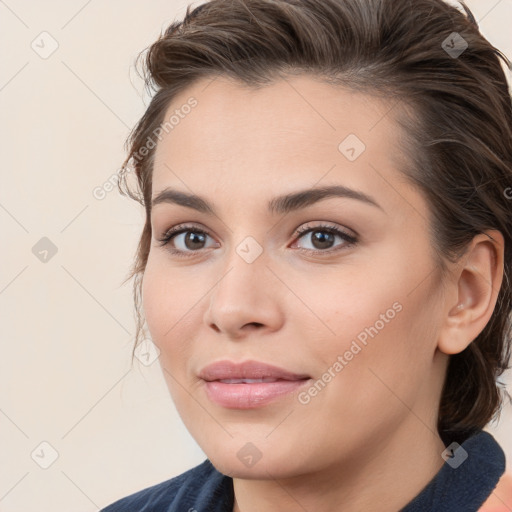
(248, 396)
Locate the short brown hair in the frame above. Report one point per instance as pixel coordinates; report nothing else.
(458, 128)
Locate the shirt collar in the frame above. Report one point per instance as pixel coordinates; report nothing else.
(470, 473)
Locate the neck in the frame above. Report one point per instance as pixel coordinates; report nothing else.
(385, 479)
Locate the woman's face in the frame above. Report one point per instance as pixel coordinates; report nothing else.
(351, 305)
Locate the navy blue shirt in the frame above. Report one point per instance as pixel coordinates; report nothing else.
(463, 484)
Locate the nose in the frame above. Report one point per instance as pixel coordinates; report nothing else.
(246, 298)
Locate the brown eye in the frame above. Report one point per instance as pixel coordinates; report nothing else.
(183, 240)
(193, 240)
(323, 238)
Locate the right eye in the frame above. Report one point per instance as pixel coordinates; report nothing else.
(189, 240)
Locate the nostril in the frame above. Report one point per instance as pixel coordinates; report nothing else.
(254, 324)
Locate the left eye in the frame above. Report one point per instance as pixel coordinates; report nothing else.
(322, 238)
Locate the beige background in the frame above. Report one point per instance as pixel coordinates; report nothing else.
(67, 324)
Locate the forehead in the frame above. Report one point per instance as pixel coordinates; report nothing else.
(297, 129)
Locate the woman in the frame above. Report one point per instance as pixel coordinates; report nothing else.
(325, 264)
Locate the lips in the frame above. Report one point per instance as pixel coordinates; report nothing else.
(247, 371)
(249, 384)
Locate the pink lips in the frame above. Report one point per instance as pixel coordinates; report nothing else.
(249, 384)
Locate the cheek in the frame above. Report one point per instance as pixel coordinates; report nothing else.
(164, 302)
(165, 305)
(154, 298)
(377, 318)
(345, 306)
(173, 309)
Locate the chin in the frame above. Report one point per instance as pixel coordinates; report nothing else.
(235, 469)
(237, 463)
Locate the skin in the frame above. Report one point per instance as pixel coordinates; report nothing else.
(368, 439)
(501, 498)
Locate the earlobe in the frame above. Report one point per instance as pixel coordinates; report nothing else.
(476, 284)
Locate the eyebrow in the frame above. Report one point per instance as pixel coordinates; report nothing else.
(278, 205)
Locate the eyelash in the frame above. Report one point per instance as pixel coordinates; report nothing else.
(183, 228)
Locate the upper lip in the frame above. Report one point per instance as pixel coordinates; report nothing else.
(246, 370)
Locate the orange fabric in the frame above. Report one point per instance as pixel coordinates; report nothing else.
(501, 498)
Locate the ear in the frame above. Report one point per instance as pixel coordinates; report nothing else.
(473, 292)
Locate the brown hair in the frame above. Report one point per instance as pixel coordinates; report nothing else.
(456, 111)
